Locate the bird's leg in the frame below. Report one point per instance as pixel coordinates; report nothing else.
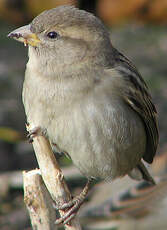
(73, 206)
(36, 131)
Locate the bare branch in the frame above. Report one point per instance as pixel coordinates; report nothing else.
(38, 201)
(52, 176)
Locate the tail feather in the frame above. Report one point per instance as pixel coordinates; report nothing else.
(146, 175)
(141, 172)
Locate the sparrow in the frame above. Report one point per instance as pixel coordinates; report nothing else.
(89, 100)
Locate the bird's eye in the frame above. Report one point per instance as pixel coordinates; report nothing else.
(52, 35)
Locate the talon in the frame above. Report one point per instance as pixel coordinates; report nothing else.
(30, 138)
(69, 218)
(33, 133)
(57, 206)
(27, 124)
(72, 206)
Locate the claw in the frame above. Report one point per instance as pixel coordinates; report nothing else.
(30, 138)
(71, 213)
(69, 218)
(33, 133)
(72, 207)
(66, 218)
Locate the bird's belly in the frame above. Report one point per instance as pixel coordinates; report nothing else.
(103, 142)
(103, 136)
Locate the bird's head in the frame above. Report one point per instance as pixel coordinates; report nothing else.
(65, 35)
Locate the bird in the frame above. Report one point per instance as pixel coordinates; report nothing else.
(88, 99)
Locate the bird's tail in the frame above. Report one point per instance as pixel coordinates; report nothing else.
(141, 172)
(146, 175)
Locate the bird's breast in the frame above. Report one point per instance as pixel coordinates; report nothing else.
(101, 134)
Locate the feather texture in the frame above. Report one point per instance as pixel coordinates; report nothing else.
(136, 95)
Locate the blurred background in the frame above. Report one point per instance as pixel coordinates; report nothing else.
(139, 30)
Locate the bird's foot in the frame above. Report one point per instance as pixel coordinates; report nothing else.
(71, 208)
(36, 131)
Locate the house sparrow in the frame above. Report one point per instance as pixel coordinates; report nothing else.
(87, 98)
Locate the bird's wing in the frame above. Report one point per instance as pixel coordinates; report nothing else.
(136, 95)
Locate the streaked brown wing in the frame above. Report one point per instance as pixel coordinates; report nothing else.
(138, 98)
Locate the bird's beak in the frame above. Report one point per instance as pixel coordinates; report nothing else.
(24, 34)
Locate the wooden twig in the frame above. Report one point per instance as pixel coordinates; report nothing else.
(38, 201)
(52, 176)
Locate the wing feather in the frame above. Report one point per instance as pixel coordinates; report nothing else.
(138, 98)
